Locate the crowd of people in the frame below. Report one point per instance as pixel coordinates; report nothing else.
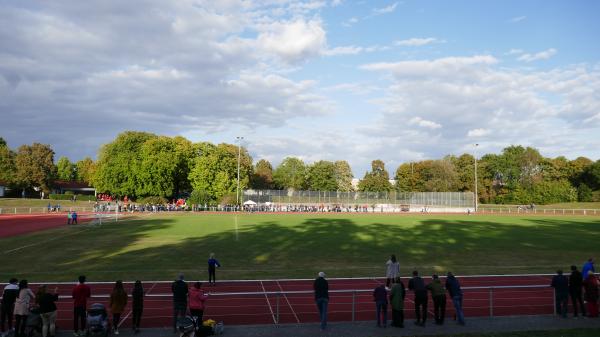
(579, 286)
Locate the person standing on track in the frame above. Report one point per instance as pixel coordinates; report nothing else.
(80, 294)
(69, 217)
(212, 266)
(575, 286)
(392, 271)
(321, 288)
(117, 303)
(397, 295)
(22, 308)
(137, 305)
(453, 287)
(180, 295)
(560, 283)
(438, 294)
(381, 302)
(74, 218)
(417, 285)
(47, 303)
(9, 296)
(197, 297)
(591, 294)
(589, 265)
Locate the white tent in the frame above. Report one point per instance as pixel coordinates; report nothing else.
(249, 203)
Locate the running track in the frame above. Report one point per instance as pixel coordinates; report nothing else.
(230, 303)
(18, 224)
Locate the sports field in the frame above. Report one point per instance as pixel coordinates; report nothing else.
(283, 246)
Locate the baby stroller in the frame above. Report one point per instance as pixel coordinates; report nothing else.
(97, 321)
(191, 326)
(33, 325)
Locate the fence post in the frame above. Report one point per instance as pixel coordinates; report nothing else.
(491, 301)
(353, 305)
(277, 308)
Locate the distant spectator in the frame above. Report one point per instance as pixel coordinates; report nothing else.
(22, 305)
(81, 292)
(438, 294)
(180, 295)
(47, 303)
(74, 218)
(397, 295)
(212, 266)
(589, 265)
(392, 270)
(137, 305)
(321, 288)
(560, 283)
(591, 294)
(575, 290)
(381, 302)
(7, 308)
(69, 217)
(455, 292)
(197, 297)
(417, 285)
(117, 303)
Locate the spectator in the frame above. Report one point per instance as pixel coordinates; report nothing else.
(212, 265)
(69, 217)
(591, 294)
(589, 265)
(22, 308)
(321, 287)
(180, 294)
(439, 299)
(397, 295)
(575, 284)
(81, 292)
(137, 306)
(393, 270)
(560, 283)
(47, 303)
(380, 297)
(7, 308)
(453, 287)
(417, 285)
(117, 303)
(74, 218)
(197, 297)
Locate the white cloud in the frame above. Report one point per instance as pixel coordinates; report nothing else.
(293, 41)
(478, 133)
(438, 67)
(350, 22)
(424, 123)
(543, 55)
(518, 19)
(384, 10)
(416, 42)
(514, 52)
(335, 3)
(344, 50)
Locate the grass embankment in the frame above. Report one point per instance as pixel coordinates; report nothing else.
(257, 246)
(17, 202)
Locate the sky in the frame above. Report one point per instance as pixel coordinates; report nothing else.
(317, 79)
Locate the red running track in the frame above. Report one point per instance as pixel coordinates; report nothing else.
(248, 302)
(17, 224)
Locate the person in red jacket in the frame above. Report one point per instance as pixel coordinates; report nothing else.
(81, 293)
(196, 300)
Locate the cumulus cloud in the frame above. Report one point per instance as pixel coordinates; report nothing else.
(543, 55)
(385, 10)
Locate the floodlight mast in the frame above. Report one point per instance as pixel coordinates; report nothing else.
(475, 160)
(239, 141)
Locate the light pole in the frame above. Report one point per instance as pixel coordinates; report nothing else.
(475, 159)
(239, 141)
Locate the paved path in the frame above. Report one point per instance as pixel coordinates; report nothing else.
(360, 329)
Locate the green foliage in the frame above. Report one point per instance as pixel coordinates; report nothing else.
(152, 200)
(7, 163)
(321, 176)
(591, 176)
(85, 170)
(343, 174)
(199, 197)
(584, 193)
(377, 180)
(65, 170)
(290, 174)
(35, 166)
(263, 175)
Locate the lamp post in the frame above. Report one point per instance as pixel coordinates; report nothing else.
(475, 159)
(239, 141)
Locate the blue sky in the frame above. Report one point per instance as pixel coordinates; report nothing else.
(317, 79)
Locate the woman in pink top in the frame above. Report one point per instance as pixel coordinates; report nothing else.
(197, 297)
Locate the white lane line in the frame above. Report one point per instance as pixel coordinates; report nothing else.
(268, 302)
(42, 242)
(288, 302)
(131, 310)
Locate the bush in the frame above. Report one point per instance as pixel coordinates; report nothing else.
(199, 197)
(584, 193)
(153, 201)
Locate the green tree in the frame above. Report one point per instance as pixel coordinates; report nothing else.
(200, 197)
(35, 166)
(321, 176)
(591, 176)
(290, 174)
(66, 170)
(86, 169)
(441, 177)
(584, 193)
(7, 163)
(157, 168)
(377, 180)
(263, 175)
(343, 175)
(577, 168)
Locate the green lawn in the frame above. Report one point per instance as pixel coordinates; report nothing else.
(252, 246)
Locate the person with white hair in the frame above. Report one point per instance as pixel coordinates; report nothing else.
(180, 296)
(321, 287)
(212, 266)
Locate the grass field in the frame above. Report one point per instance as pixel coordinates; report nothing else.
(257, 246)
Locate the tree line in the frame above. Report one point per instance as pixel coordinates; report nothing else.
(141, 164)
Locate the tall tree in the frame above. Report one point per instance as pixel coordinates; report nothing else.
(290, 174)
(263, 175)
(35, 166)
(321, 176)
(85, 170)
(7, 163)
(343, 175)
(442, 177)
(591, 176)
(66, 170)
(158, 166)
(377, 180)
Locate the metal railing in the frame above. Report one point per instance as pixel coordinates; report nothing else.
(542, 211)
(44, 209)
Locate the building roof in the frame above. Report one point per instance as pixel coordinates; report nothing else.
(70, 184)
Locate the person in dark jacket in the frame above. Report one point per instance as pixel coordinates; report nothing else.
(455, 292)
(47, 303)
(137, 305)
(397, 295)
(380, 298)
(7, 307)
(587, 266)
(180, 295)
(417, 285)
(212, 267)
(575, 290)
(321, 288)
(438, 294)
(560, 283)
